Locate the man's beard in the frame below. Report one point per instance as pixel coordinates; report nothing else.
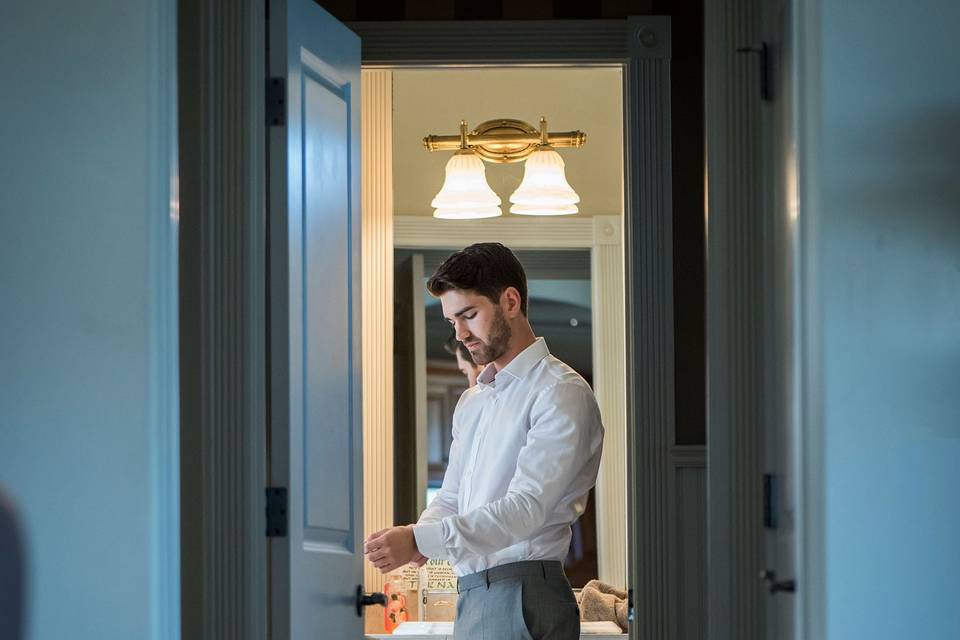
(497, 342)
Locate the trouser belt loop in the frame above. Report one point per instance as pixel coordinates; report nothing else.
(543, 569)
(486, 575)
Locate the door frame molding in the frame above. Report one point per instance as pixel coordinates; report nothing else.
(491, 42)
(810, 456)
(224, 102)
(163, 240)
(642, 47)
(736, 331)
(223, 325)
(731, 85)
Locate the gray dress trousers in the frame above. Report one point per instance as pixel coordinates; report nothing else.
(529, 600)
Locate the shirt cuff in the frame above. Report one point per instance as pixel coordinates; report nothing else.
(429, 537)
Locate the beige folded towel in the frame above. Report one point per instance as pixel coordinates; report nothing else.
(600, 601)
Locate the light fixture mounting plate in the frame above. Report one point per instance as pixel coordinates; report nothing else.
(502, 148)
(504, 139)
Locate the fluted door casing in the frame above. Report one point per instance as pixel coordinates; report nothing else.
(609, 383)
(650, 346)
(734, 304)
(377, 305)
(223, 320)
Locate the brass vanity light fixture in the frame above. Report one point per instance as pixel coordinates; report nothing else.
(544, 190)
(465, 193)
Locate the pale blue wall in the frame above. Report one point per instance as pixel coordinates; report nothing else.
(87, 320)
(890, 282)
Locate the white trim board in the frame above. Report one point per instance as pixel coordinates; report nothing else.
(422, 232)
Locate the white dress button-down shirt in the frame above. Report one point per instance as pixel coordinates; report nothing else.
(525, 454)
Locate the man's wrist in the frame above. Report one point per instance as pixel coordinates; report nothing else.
(413, 538)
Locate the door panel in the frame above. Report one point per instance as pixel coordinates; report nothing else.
(780, 416)
(315, 429)
(326, 296)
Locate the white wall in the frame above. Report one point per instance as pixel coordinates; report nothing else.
(88, 312)
(433, 101)
(881, 212)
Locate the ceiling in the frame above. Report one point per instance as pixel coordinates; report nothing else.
(433, 101)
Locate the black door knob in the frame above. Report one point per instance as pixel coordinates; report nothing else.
(773, 585)
(367, 599)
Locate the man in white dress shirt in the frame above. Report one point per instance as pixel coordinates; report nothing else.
(525, 453)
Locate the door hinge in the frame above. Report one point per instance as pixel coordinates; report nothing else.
(276, 512)
(276, 107)
(771, 499)
(766, 88)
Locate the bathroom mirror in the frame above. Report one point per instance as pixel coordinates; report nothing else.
(428, 383)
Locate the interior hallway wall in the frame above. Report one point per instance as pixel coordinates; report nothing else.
(881, 227)
(88, 366)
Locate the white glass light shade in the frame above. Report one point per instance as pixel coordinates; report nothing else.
(465, 193)
(544, 190)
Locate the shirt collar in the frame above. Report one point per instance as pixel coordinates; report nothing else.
(520, 366)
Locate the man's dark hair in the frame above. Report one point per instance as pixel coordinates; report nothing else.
(454, 346)
(486, 268)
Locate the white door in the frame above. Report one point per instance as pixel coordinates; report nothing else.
(780, 420)
(314, 319)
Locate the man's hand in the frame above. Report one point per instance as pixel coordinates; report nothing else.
(419, 559)
(391, 548)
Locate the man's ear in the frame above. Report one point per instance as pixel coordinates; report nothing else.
(510, 300)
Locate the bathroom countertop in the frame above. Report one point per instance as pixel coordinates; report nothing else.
(444, 631)
(387, 636)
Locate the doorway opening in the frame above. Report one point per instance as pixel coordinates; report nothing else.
(574, 265)
(243, 437)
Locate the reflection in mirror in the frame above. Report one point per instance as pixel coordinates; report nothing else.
(429, 380)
